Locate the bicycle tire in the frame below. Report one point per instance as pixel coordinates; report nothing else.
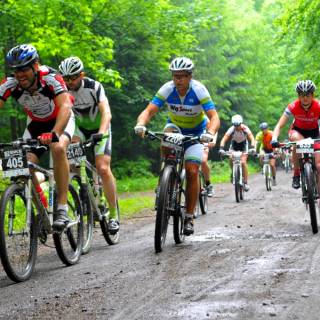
(286, 164)
(87, 214)
(69, 242)
(178, 218)
(111, 238)
(163, 207)
(310, 188)
(237, 184)
(203, 194)
(13, 199)
(267, 175)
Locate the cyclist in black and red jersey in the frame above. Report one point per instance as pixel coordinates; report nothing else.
(45, 99)
(306, 113)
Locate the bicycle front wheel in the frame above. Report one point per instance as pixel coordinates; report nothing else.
(203, 194)
(310, 188)
(178, 218)
(287, 164)
(237, 183)
(69, 242)
(267, 175)
(164, 204)
(87, 215)
(18, 236)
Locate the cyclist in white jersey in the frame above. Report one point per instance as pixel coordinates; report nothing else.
(239, 135)
(188, 103)
(93, 115)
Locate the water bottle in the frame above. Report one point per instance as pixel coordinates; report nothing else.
(42, 196)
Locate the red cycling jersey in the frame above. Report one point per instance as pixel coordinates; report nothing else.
(304, 119)
(40, 106)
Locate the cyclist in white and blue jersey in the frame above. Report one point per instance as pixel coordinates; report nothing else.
(192, 110)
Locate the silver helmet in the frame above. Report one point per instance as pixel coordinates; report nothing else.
(181, 64)
(71, 66)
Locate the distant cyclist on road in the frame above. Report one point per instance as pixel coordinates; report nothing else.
(93, 115)
(45, 98)
(189, 103)
(239, 134)
(263, 146)
(306, 112)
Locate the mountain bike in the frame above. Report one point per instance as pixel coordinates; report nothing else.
(88, 185)
(266, 169)
(309, 175)
(24, 218)
(237, 178)
(170, 197)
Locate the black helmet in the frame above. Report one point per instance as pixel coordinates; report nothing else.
(305, 86)
(263, 125)
(21, 56)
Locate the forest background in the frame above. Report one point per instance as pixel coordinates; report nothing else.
(248, 53)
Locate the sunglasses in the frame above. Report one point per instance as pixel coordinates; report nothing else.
(22, 69)
(304, 94)
(71, 78)
(181, 76)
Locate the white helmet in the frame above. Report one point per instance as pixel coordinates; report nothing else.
(181, 64)
(305, 86)
(71, 66)
(236, 120)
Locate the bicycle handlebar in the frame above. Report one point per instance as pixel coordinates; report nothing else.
(21, 143)
(160, 134)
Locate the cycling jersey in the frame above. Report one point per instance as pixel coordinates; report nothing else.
(304, 119)
(238, 135)
(40, 105)
(87, 98)
(187, 112)
(265, 140)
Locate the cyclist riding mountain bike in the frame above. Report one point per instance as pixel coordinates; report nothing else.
(239, 135)
(93, 115)
(306, 113)
(263, 146)
(190, 108)
(45, 98)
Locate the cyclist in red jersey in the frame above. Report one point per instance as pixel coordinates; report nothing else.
(45, 98)
(306, 113)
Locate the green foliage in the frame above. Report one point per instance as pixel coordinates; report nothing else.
(134, 205)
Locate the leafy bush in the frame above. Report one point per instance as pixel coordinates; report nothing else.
(126, 168)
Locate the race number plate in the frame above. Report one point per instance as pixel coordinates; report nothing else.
(173, 140)
(305, 146)
(75, 153)
(14, 163)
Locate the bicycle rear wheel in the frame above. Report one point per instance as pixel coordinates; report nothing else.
(167, 183)
(69, 242)
(178, 218)
(310, 188)
(111, 238)
(18, 237)
(237, 183)
(203, 194)
(87, 215)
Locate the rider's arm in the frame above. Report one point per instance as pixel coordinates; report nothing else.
(147, 114)
(105, 112)
(64, 103)
(224, 140)
(214, 121)
(251, 138)
(281, 123)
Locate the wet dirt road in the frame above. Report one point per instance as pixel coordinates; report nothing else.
(253, 260)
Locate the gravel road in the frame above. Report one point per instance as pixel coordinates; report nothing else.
(254, 260)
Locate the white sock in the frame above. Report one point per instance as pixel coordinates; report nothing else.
(62, 207)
